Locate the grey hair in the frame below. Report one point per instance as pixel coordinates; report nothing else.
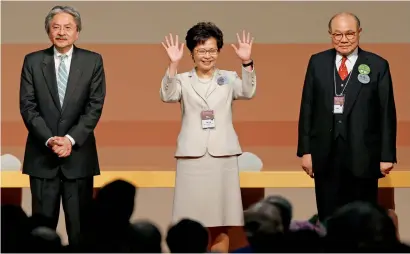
(63, 9)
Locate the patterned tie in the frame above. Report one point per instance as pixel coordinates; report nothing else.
(62, 78)
(343, 69)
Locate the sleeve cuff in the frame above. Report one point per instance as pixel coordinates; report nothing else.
(248, 71)
(167, 74)
(47, 141)
(71, 139)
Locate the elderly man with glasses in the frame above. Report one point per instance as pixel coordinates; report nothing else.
(347, 122)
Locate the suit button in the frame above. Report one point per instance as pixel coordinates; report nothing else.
(61, 121)
(330, 130)
(340, 121)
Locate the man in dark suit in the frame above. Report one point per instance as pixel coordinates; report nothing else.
(347, 123)
(62, 92)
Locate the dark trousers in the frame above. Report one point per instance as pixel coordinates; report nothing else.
(337, 186)
(76, 195)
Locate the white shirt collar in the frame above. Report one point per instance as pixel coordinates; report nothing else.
(351, 58)
(69, 53)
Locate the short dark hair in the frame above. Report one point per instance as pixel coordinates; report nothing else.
(343, 13)
(358, 226)
(201, 32)
(187, 236)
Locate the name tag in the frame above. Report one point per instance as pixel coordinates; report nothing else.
(208, 119)
(338, 105)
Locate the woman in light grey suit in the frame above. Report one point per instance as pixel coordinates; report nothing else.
(207, 176)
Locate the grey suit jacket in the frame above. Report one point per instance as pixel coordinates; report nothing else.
(193, 140)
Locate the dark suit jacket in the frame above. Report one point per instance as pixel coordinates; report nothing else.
(369, 114)
(44, 118)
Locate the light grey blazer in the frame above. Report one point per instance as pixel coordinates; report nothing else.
(193, 141)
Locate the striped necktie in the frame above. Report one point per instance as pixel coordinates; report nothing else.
(62, 78)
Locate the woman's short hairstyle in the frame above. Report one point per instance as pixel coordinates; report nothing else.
(201, 32)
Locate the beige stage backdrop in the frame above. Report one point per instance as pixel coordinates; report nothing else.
(138, 132)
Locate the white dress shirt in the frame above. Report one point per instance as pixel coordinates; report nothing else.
(350, 62)
(67, 62)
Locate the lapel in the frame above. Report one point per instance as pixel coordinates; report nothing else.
(354, 86)
(49, 73)
(213, 84)
(73, 76)
(329, 79)
(194, 80)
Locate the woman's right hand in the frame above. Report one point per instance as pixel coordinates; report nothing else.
(174, 51)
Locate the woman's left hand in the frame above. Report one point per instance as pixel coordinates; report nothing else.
(244, 49)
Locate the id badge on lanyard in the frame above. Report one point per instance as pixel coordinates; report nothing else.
(338, 104)
(208, 119)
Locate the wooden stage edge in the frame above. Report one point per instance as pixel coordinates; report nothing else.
(166, 179)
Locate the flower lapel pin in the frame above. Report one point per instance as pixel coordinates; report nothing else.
(222, 80)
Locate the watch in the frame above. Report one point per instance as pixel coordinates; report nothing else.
(248, 64)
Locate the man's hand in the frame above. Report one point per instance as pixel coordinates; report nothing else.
(307, 164)
(61, 146)
(386, 167)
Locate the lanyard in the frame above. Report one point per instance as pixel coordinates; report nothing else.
(334, 82)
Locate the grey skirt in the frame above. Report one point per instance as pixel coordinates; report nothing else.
(207, 190)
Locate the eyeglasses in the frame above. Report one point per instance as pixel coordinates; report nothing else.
(339, 36)
(203, 52)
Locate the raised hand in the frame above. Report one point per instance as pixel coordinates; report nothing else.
(174, 51)
(244, 48)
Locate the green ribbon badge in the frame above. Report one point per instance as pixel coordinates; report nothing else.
(364, 69)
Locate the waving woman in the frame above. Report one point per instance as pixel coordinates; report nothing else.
(207, 185)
